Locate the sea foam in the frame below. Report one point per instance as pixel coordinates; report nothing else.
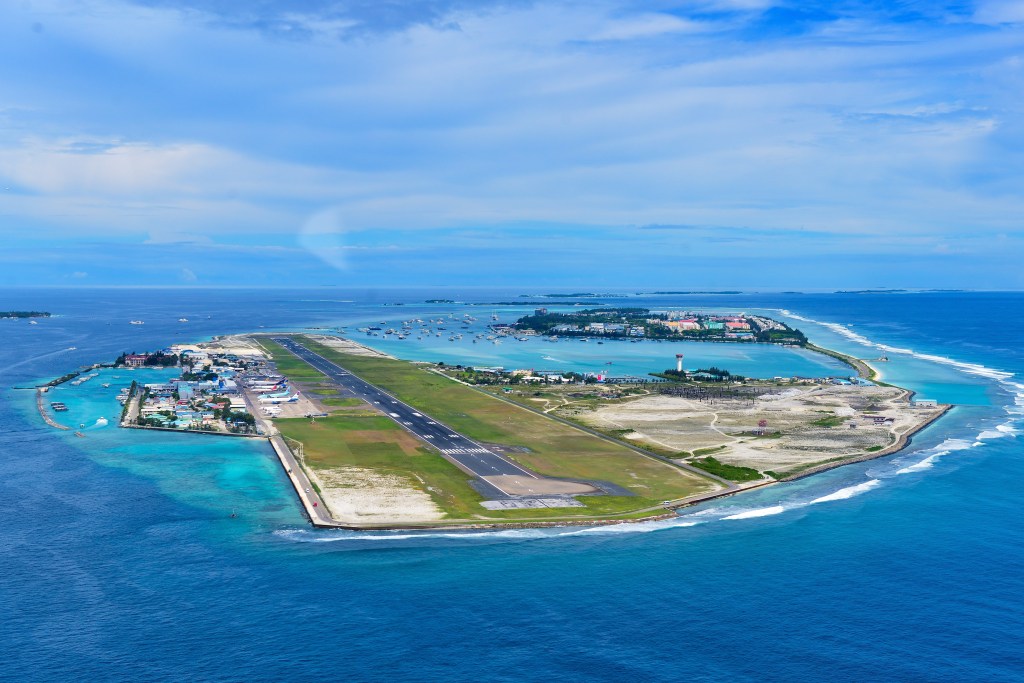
(848, 492)
(760, 512)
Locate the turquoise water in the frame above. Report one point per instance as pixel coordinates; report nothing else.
(618, 357)
(122, 560)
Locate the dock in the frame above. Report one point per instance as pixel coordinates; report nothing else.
(41, 404)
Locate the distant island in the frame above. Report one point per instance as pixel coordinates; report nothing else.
(547, 303)
(561, 296)
(726, 291)
(870, 291)
(647, 324)
(24, 314)
(440, 301)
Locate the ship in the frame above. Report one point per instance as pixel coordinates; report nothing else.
(182, 320)
(136, 322)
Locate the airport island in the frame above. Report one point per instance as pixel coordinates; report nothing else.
(369, 441)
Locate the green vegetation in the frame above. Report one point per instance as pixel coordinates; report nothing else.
(618, 321)
(372, 441)
(712, 374)
(555, 449)
(63, 378)
(730, 472)
(874, 449)
(128, 402)
(158, 359)
(343, 402)
(24, 314)
(708, 451)
(377, 443)
(829, 421)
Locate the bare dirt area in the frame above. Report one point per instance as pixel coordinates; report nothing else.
(358, 495)
(805, 425)
(239, 345)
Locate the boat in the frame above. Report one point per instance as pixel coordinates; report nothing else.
(32, 322)
(105, 385)
(136, 322)
(182, 320)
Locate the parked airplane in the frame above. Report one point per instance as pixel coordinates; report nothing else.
(274, 400)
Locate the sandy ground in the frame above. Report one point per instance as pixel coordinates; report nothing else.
(355, 494)
(347, 346)
(236, 344)
(680, 424)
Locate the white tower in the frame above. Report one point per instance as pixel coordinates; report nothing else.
(679, 362)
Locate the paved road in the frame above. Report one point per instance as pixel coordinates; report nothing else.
(461, 450)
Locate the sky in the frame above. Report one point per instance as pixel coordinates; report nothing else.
(741, 144)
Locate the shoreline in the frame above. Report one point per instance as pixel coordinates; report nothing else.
(318, 515)
(902, 442)
(863, 370)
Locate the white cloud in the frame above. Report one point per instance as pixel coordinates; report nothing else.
(999, 12)
(646, 26)
(521, 116)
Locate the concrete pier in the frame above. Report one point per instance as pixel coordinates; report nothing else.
(44, 412)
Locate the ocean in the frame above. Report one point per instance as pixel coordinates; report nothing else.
(122, 562)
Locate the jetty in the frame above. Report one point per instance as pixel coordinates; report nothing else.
(41, 404)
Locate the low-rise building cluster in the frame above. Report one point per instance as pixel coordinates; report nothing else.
(205, 397)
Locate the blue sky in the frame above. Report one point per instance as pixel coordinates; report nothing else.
(712, 143)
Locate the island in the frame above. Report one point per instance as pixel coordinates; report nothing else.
(369, 441)
(23, 314)
(632, 322)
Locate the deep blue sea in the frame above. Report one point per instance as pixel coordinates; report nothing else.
(121, 562)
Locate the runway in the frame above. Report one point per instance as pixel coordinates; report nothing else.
(467, 454)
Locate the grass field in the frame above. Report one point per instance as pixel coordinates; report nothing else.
(556, 449)
(343, 402)
(375, 442)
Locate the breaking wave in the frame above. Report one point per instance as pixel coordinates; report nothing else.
(848, 492)
(926, 460)
(945, 448)
(760, 512)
